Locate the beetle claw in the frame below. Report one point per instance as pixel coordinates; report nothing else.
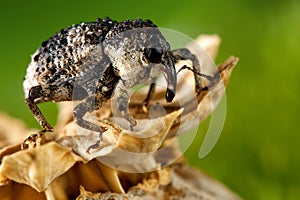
(34, 140)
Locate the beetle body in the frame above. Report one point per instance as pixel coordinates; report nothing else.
(90, 62)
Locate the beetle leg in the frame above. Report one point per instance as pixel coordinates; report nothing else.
(122, 99)
(185, 54)
(38, 115)
(89, 104)
(40, 93)
(208, 77)
(33, 140)
(148, 97)
(103, 91)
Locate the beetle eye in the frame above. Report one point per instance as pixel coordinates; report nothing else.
(153, 54)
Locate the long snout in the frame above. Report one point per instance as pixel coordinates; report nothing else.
(170, 74)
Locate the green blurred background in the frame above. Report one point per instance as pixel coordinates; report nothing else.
(257, 155)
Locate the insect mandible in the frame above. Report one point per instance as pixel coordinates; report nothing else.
(106, 55)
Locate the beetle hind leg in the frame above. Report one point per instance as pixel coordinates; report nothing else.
(34, 140)
(36, 95)
(39, 93)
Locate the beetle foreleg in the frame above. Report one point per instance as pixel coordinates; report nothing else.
(185, 54)
(208, 77)
(148, 97)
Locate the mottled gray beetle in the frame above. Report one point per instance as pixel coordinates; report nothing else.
(103, 58)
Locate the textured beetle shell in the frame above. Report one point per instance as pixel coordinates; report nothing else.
(61, 58)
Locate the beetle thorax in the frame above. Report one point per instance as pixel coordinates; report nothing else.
(126, 51)
(129, 64)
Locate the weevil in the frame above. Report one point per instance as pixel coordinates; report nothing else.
(90, 62)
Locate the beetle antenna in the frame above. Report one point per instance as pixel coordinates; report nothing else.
(208, 77)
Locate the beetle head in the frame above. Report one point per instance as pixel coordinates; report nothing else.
(157, 55)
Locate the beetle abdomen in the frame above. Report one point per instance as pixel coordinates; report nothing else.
(60, 58)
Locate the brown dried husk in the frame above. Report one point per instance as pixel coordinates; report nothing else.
(126, 163)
